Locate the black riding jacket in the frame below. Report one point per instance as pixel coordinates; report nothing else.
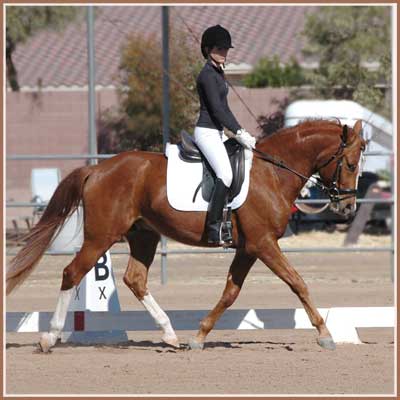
(213, 91)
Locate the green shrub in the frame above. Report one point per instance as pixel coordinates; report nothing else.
(270, 72)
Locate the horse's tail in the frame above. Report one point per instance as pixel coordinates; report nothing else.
(62, 204)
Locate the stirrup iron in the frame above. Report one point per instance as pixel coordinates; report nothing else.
(226, 227)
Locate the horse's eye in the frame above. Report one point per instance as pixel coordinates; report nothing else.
(351, 167)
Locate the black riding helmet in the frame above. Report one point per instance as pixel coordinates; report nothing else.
(215, 36)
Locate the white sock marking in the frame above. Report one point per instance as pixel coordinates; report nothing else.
(159, 316)
(60, 314)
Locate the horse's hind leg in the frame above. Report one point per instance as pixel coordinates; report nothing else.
(143, 245)
(72, 275)
(270, 253)
(238, 271)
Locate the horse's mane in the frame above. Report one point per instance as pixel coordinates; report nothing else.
(315, 121)
(307, 123)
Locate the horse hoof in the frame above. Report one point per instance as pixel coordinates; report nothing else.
(195, 345)
(172, 341)
(327, 343)
(45, 343)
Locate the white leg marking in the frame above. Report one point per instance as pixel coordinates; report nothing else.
(161, 319)
(57, 323)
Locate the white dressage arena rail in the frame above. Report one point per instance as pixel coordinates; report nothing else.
(341, 321)
(95, 315)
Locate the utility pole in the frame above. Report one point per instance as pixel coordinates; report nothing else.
(165, 63)
(92, 139)
(165, 116)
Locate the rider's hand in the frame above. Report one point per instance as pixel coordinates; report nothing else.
(245, 139)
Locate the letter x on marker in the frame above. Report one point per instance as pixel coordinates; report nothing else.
(102, 293)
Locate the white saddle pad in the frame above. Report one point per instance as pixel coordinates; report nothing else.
(183, 178)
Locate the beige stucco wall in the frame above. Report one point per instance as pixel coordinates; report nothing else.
(45, 123)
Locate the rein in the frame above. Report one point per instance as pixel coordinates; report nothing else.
(334, 191)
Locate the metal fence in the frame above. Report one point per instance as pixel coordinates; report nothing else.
(164, 251)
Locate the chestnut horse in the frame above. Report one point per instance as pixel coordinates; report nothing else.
(126, 197)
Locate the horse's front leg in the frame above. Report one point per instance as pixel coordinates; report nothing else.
(143, 246)
(269, 252)
(238, 270)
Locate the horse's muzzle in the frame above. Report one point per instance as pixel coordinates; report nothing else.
(348, 210)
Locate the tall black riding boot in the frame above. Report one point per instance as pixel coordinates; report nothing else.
(216, 206)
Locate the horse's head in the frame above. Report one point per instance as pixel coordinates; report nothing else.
(341, 171)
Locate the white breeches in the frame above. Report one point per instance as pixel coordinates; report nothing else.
(210, 142)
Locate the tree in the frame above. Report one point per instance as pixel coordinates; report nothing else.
(346, 41)
(137, 123)
(269, 72)
(23, 22)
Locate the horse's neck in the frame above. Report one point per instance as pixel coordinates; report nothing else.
(299, 149)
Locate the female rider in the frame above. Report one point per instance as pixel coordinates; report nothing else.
(214, 116)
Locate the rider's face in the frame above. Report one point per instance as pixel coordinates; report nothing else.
(219, 54)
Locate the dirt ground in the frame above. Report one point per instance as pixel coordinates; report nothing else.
(233, 362)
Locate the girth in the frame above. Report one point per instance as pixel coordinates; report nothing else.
(189, 152)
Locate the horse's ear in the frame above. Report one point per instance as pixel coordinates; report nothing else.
(357, 127)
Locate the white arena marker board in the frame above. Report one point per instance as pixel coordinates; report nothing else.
(251, 321)
(97, 290)
(343, 321)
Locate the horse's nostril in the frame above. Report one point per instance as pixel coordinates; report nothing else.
(350, 207)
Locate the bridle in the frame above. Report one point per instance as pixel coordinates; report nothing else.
(335, 192)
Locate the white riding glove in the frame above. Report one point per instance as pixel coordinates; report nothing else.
(245, 139)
